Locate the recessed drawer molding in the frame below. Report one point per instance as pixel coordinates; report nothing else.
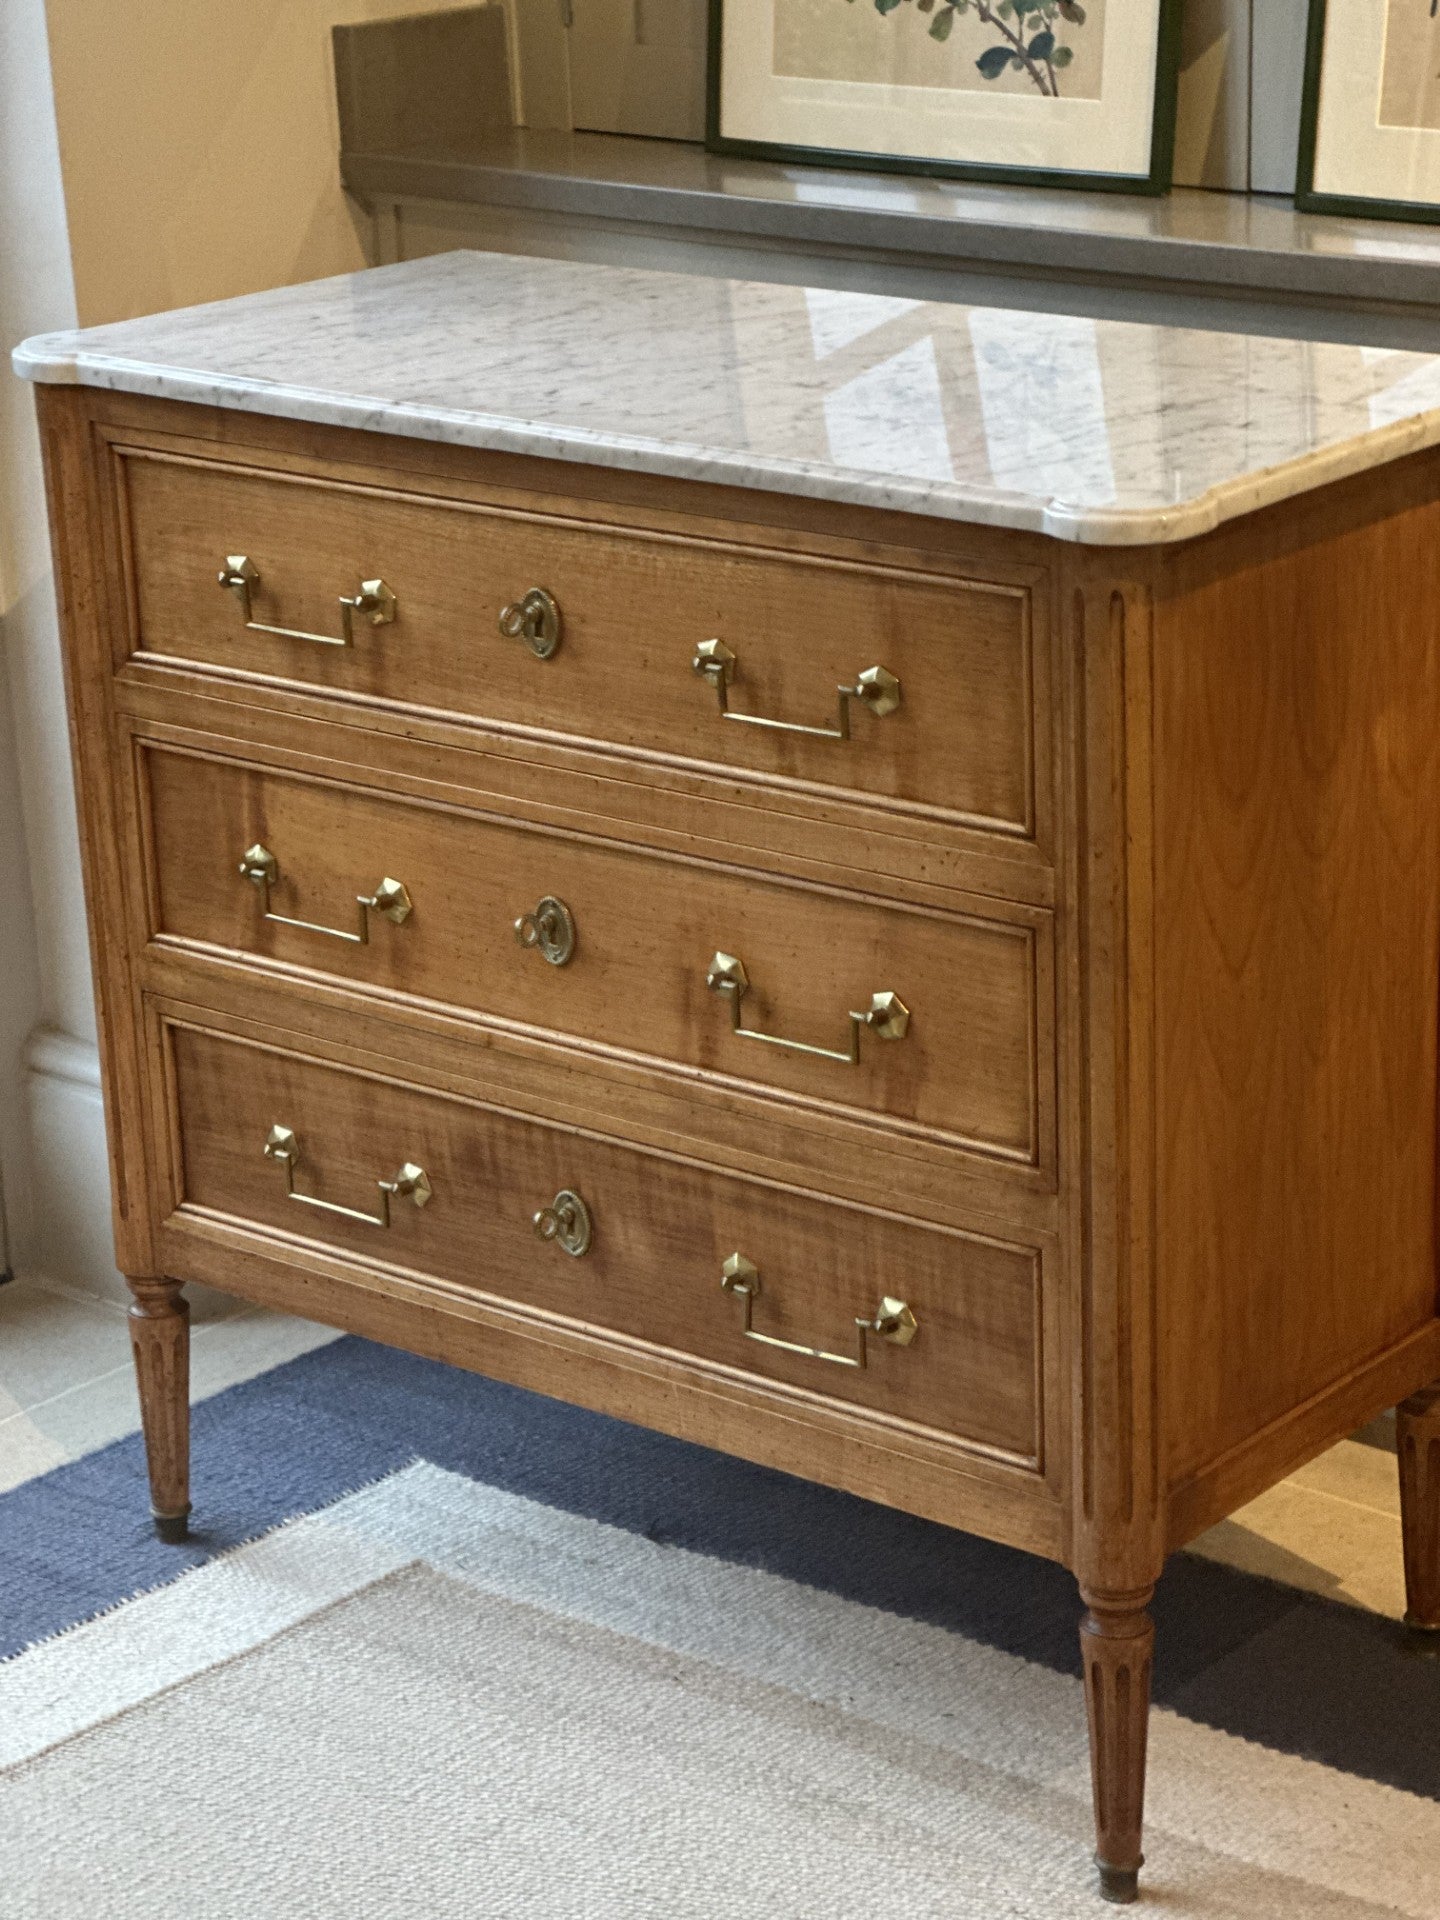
(937, 1022)
(471, 630)
(651, 1239)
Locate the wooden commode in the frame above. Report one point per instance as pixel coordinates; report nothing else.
(866, 901)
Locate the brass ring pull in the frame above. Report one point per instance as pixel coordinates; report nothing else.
(892, 1319)
(408, 1183)
(535, 619)
(550, 929)
(390, 898)
(373, 599)
(887, 1015)
(876, 688)
(566, 1221)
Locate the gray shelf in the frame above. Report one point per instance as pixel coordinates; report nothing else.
(1243, 261)
(1243, 241)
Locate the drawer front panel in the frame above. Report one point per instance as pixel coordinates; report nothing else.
(661, 1234)
(960, 1051)
(633, 609)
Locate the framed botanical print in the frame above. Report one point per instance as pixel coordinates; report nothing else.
(1048, 92)
(1370, 128)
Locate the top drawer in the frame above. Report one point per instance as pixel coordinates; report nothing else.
(946, 728)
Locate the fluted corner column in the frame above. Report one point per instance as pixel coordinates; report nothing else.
(1417, 1435)
(1117, 1644)
(160, 1340)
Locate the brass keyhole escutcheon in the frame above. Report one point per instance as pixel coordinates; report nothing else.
(535, 619)
(567, 1222)
(550, 930)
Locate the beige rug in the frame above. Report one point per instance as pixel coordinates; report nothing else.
(439, 1700)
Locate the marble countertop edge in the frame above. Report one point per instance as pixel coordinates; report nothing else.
(63, 359)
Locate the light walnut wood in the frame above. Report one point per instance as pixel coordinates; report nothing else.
(160, 1339)
(662, 1233)
(1417, 1433)
(1152, 841)
(845, 1447)
(635, 605)
(1117, 1645)
(1297, 917)
(975, 1067)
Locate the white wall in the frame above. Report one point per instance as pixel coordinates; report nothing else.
(194, 148)
(44, 978)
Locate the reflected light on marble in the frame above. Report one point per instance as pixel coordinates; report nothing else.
(838, 317)
(1043, 402)
(1092, 430)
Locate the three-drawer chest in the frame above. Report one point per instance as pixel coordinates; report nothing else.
(852, 880)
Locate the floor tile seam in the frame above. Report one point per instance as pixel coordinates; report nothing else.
(121, 1367)
(1320, 1493)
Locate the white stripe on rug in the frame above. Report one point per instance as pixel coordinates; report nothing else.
(1220, 1807)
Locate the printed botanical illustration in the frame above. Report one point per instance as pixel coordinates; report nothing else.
(1049, 48)
(1410, 75)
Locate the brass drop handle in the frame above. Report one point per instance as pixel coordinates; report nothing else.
(892, 1320)
(550, 930)
(409, 1182)
(373, 599)
(876, 689)
(887, 1015)
(390, 898)
(567, 1221)
(535, 619)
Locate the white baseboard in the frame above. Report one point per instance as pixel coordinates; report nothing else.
(70, 1233)
(70, 1241)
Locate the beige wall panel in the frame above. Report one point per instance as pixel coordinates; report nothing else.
(199, 147)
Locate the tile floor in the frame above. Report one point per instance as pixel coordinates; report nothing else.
(66, 1388)
(66, 1385)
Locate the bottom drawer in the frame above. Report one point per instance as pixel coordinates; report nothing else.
(717, 1267)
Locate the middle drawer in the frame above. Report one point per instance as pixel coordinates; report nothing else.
(933, 1023)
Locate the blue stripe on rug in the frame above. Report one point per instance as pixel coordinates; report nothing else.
(1294, 1672)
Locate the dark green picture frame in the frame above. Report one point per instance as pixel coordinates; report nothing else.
(1162, 132)
(1350, 206)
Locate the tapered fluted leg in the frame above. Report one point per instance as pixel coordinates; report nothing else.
(1417, 1433)
(1117, 1642)
(160, 1338)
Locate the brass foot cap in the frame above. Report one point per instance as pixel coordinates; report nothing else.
(172, 1528)
(1119, 1885)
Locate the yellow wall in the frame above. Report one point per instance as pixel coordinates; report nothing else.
(199, 146)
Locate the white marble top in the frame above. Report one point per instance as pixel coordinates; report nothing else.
(1092, 430)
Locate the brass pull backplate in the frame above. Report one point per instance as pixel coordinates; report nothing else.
(567, 1221)
(535, 619)
(892, 1320)
(887, 1015)
(372, 599)
(409, 1182)
(391, 899)
(876, 689)
(550, 930)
